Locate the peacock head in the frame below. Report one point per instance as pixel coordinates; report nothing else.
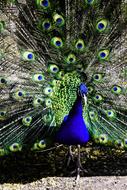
(83, 90)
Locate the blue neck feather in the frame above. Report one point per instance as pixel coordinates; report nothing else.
(73, 129)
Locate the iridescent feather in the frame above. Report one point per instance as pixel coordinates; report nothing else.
(48, 49)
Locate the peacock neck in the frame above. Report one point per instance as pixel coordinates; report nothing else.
(77, 108)
(73, 130)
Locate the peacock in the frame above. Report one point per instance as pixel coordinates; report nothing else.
(63, 74)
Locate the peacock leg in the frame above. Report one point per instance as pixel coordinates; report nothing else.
(79, 166)
(69, 156)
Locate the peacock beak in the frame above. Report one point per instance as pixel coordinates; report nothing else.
(82, 91)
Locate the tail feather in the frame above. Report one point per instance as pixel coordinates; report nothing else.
(48, 48)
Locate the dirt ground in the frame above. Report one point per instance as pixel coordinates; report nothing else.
(85, 183)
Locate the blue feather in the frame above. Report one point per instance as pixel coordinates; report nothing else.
(73, 129)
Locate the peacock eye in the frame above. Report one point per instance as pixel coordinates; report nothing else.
(48, 118)
(19, 95)
(90, 2)
(53, 69)
(71, 58)
(98, 98)
(48, 102)
(43, 3)
(80, 45)
(57, 42)
(103, 54)
(111, 114)
(46, 25)
(3, 81)
(116, 90)
(15, 147)
(27, 121)
(119, 143)
(28, 56)
(48, 91)
(90, 89)
(60, 75)
(97, 77)
(37, 102)
(41, 144)
(54, 82)
(58, 19)
(103, 138)
(102, 25)
(38, 78)
(93, 115)
(3, 114)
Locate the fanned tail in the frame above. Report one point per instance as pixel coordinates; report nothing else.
(48, 48)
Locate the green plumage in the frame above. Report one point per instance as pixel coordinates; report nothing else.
(47, 48)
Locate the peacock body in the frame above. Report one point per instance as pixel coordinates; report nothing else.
(63, 73)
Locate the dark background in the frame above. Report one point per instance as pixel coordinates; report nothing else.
(26, 167)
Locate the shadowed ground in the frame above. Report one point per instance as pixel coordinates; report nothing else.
(28, 167)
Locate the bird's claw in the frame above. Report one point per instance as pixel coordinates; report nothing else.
(69, 157)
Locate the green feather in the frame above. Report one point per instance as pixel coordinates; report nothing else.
(47, 49)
